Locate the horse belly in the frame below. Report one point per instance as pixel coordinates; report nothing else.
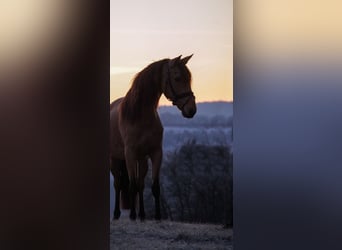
(117, 151)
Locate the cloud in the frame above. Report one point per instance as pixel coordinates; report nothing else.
(123, 70)
(159, 32)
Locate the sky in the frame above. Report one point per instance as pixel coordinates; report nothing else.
(145, 31)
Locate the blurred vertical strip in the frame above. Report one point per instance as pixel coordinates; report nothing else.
(54, 116)
(287, 124)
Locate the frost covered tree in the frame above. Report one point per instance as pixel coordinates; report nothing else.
(197, 184)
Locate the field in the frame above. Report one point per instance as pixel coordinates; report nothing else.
(125, 234)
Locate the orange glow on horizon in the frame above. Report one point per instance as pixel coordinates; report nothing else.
(206, 31)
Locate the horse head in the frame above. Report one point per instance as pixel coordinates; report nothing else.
(177, 86)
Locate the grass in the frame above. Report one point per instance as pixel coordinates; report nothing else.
(126, 234)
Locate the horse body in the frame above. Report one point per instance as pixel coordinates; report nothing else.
(137, 132)
(117, 146)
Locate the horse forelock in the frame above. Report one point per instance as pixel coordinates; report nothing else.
(144, 92)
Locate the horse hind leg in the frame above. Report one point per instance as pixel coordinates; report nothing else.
(156, 158)
(142, 171)
(115, 169)
(131, 164)
(117, 211)
(124, 187)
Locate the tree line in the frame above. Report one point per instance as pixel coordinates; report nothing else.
(169, 119)
(196, 185)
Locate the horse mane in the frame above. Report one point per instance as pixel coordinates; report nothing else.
(144, 92)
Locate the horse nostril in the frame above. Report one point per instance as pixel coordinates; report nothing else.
(192, 112)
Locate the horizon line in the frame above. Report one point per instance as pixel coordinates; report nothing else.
(170, 105)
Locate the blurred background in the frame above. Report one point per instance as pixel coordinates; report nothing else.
(54, 92)
(287, 124)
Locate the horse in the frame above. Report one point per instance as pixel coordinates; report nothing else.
(136, 132)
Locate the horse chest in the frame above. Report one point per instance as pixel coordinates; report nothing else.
(150, 138)
(144, 140)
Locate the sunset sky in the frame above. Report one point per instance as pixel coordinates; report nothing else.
(149, 30)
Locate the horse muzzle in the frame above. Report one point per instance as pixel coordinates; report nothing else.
(189, 113)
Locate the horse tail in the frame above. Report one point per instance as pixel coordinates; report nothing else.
(125, 189)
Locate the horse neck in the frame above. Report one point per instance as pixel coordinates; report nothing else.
(144, 95)
(150, 92)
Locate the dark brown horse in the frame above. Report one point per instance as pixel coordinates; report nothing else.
(136, 131)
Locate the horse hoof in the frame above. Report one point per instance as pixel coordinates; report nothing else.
(133, 216)
(157, 217)
(142, 217)
(117, 215)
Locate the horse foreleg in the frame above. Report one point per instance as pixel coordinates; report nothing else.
(156, 159)
(143, 167)
(133, 195)
(141, 205)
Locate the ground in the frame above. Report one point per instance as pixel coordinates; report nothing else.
(126, 234)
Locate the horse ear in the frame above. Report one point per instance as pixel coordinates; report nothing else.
(186, 59)
(175, 60)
